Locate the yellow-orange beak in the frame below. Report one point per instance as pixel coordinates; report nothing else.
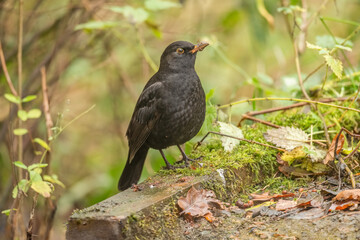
(199, 47)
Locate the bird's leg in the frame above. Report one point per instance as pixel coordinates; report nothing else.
(186, 159)
(168, 165)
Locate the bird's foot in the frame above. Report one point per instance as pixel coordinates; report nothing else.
(173, 167)
(186, 159)
(168, 165)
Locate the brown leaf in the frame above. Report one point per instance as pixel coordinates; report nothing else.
(352, 194)
(282, 205)
(198, 203)
(243, 205)
(266, 197)
(261, 197)
(330, 154)
(343, 206)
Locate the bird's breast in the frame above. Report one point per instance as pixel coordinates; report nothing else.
(182, 113)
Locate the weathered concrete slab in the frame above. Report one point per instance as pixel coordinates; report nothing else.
(150, 213)
(108, 219)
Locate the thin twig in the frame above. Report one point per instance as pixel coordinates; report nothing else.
(240, 139)
(353, 151)
(296, 105)
(6, 73)
(19, 58)
(313, 72)
(29, 230)
(48, 120)
(351, 175)
(298, 70)
(286, 99)
(245, 116)
(352, 102)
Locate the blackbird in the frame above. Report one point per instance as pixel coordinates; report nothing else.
(170, 110)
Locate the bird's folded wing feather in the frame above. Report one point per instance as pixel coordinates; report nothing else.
(144, 118)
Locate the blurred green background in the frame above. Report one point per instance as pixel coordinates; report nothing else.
(103, 53)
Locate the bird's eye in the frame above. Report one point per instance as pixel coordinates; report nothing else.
(180, 51)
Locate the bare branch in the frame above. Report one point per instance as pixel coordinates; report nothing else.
(6, 73)
(48, 120)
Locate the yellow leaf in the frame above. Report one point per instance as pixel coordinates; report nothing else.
(42, 188)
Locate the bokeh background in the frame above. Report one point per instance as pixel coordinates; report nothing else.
(103, 52)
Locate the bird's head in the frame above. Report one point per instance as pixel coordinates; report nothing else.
(181, 54)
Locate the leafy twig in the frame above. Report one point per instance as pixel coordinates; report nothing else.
(73, 120)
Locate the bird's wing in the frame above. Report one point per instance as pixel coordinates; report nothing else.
(144, 118)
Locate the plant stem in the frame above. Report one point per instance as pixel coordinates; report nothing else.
(287, 99)
(6, 73)
(19, 58)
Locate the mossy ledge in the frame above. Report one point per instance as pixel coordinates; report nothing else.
(152, 212)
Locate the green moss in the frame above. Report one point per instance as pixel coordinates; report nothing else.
(294, 118)
(160, 221)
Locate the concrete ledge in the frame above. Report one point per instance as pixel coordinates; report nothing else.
(150, 213)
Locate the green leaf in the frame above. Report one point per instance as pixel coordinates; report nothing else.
(20, 165)
(35, 175)
(329, 42)
(42, 143)
(210, 94)
(22, 186)
(133, 15)
(155, 5)
(38, 153)
(20, 131)
(266, 79)
(37, 165)
(34, 113)
(6, 212)
(335, 65)
(29, 98)
(22, 115)
(313, 46)
(343, 47)
(12, 98)
(54, 179)
(15, 192)
(96, 25)
(42, 188)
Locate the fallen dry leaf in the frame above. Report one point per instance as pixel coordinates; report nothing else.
(330, 154)
(243, 205)
(198, 203)
(283, 205)
(343, 206)
(351, 194)
(266, 197)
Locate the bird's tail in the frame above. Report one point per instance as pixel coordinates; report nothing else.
(132, 171)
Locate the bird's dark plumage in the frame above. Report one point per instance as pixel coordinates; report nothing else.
(169, 111)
